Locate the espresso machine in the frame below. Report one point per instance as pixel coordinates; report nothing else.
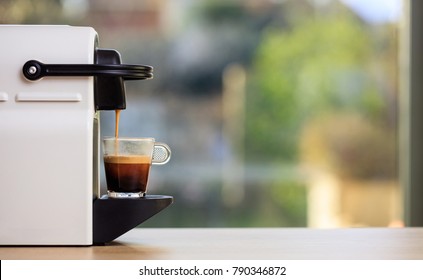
(54, 81)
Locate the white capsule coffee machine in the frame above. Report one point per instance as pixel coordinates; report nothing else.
(54, 80)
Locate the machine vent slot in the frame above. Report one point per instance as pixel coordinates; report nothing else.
(48, 97)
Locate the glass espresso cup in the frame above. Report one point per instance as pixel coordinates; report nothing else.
(127, 163)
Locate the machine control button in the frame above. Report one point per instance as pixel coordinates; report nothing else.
(4, 96)
(48, 97)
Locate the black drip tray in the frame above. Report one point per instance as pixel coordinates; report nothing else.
(113, 217)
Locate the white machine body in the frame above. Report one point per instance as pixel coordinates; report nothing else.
(48, 139)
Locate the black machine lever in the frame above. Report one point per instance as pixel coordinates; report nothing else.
(34, 70)
(108, 72)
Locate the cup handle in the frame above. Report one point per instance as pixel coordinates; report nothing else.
(161, 153)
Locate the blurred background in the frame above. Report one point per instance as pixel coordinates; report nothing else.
(279, 113)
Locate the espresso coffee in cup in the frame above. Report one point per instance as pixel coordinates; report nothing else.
(127, 174)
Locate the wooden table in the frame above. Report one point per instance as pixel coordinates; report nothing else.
(251, 243)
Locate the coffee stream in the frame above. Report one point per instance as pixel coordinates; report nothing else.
(117, 114)
(117, 118)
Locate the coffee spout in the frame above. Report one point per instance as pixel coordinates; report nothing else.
(109, 86)
(109, 92)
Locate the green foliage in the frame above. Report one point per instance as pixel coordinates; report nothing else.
(318, 66)
(290, 198)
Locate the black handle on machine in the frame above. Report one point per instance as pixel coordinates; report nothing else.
(34, 70)
(108, 72)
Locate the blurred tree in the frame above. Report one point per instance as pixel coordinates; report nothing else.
(319, 65)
